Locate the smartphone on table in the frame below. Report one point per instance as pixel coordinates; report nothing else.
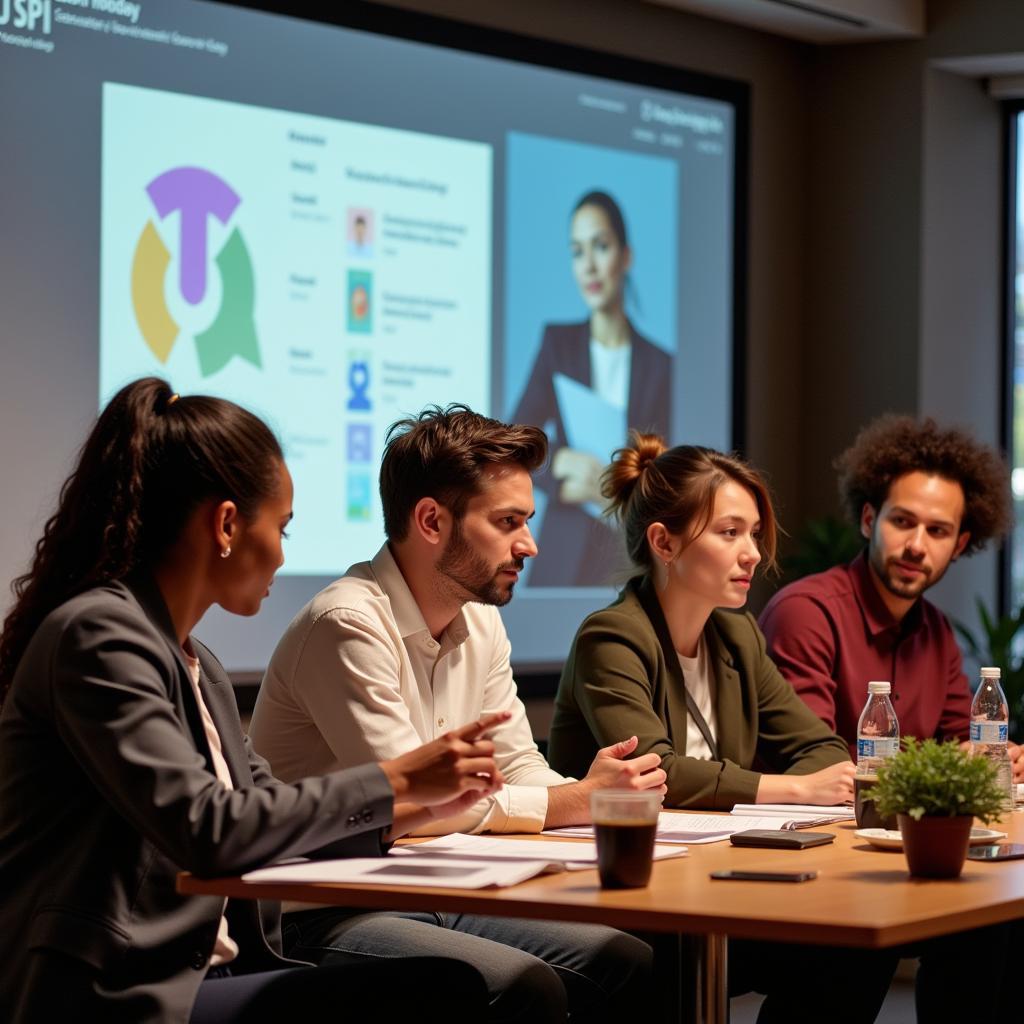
(1001, 851)
(764, 876)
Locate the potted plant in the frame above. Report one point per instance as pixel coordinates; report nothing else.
(936, 790)
(820, 544)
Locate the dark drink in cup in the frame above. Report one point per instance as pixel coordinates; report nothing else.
(864, 804)
(624, 853)
(625, 823)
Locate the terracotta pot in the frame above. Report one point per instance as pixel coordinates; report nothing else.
(935, 847)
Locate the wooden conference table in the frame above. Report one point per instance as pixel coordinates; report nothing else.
(862, 897)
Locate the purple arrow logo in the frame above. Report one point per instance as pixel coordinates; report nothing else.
(197, 194)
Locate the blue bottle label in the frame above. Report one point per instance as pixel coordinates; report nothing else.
(877, 747)
(989, 732)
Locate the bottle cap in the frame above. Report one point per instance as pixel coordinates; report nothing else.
(877, 687)
(991, 672)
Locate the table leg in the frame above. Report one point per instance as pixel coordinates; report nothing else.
(704, 978)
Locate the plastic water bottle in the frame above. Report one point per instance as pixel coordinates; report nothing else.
(990, 729)
(878, 739)
(878, 730)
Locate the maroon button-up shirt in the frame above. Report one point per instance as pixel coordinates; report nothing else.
(831, 634)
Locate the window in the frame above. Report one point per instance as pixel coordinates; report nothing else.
(1015, 348)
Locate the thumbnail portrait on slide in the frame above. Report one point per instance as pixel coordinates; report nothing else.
(360, 308)
(360, 232)
(591, 381)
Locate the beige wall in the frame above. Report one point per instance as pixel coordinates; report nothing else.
(903, 263)
(961, 349)
(862, 257)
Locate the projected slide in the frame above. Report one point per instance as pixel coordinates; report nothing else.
(592, 287)
(332, 276)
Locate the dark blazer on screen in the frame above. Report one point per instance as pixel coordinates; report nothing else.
(575, 548)
(107, 791)
(565, 348)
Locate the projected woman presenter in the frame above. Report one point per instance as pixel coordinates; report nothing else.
(589, 380)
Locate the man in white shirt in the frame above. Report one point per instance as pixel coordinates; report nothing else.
(409, 645)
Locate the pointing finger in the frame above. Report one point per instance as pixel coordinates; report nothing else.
(481, 725)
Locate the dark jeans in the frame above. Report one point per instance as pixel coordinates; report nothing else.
(347, 991)
(966, 976)
(806, 983)
(960, 977)
(356, 991)
(796, 980)
(535, 971)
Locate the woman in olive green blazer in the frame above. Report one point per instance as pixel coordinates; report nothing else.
(729, 729)
(698, 523)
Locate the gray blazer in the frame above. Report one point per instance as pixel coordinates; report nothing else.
(107, 791)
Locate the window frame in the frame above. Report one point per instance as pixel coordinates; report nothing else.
(1013, 113)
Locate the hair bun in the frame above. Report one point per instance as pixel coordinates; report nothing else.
(645, 449)
(628, 465)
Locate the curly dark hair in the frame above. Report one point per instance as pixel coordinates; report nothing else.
(892, 446)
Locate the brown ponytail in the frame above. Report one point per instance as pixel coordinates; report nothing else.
(150, 459)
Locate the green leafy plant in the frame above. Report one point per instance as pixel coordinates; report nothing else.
(994, 645)
(932, 779)
(821, 544)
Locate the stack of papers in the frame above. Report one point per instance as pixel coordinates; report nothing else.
(676, 827)
(839, 812)
(697, 829)
(449, 862)
(395, 870)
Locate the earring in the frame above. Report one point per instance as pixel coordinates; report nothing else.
(226, 552)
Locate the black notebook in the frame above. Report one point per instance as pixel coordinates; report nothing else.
(780, 839)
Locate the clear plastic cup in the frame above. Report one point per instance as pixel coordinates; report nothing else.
(625, 823)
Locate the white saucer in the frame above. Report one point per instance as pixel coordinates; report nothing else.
(891, 839)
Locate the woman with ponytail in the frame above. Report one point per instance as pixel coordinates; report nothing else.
(122, 759)
(672, 662)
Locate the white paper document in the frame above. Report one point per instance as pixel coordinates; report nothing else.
(675, 827)
(699, 829)
(573, 856)
(449, 862)
(441, 871)
(840, 812)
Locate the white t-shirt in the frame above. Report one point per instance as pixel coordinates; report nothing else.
(699, 682)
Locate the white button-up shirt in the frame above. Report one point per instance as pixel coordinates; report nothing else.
(357, 677)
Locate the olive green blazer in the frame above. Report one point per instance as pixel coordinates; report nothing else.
(623, 677)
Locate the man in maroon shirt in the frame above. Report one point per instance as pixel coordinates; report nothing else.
(923, 497)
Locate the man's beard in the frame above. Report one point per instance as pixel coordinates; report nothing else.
(888, 575)
(468, 570)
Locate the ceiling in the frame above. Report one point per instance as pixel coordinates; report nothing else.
(817, 21)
